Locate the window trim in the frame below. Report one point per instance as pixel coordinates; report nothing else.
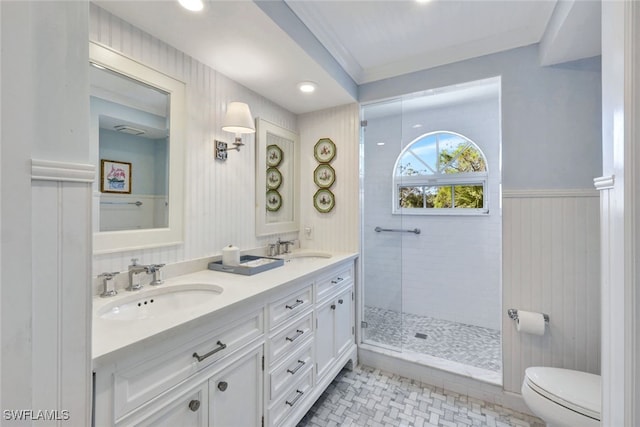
(440, 180)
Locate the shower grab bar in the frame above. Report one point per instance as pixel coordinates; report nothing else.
(396, 230)
(137, 203)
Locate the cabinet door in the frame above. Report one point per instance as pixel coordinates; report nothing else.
(325, 350)
(186, 410)
(343, 322)
(235, 394)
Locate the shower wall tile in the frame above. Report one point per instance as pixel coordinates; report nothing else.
(551, 265)
(219, 196)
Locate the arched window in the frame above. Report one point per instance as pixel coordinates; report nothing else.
(440, 172)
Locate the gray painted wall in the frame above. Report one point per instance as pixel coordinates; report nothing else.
(551, 116)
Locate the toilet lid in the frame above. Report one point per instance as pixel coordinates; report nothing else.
(578, 391)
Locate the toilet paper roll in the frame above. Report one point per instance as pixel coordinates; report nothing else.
(231, 256)
(530, 322)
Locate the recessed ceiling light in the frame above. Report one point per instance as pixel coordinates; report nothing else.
(423, 1)
(416, 126)
(307, 87)
(192, 5)
(380, 143)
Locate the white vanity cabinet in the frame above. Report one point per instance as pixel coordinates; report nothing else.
(335, 323)
(230, 397)
(262, 361)
(295, 384)
(235, 393)
(290, 354)
(187, 409)
(172, 380)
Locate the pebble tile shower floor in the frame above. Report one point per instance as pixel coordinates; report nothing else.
(457, 342)
(369, 397)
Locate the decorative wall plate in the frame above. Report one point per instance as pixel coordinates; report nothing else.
(324, 176)
(274, 178)
(274, 155)
(325, 150)
(324, 200)
(274, 200)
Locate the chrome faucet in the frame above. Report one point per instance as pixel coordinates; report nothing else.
(273, 249)
(109, 289)
(158, 279)
(134, 270)
(282, 246)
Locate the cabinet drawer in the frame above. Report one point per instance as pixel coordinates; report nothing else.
(289, 306)
(325, 285)
(136, 384)
(295, 367)
(291, 400)
(290, 338)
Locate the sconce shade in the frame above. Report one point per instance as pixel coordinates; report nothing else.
(238, 119)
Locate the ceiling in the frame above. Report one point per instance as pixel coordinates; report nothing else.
(270, 46)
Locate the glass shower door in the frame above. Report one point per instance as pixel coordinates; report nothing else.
(381, 245)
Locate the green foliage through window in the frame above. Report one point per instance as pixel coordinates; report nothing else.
(441, 170)
(449, 196)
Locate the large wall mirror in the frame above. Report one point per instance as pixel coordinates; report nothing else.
(137, 137)
(277, 179)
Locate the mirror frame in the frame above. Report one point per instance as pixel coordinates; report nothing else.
(116, 241)
(263, 228)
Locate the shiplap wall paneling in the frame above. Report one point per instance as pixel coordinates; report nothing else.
(339, 229)
(61, 344)
(219, 196)
(551, 265)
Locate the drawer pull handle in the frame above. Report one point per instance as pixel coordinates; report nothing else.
(212, 352)
(293, 402)
(298, 302)
(296, 336)
(222, 386)
(301, 363)
(194, 405)
(338, 280)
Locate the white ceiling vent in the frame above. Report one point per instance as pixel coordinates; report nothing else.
(129, 130)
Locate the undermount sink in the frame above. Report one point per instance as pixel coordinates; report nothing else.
(305, 256)
(159, 302)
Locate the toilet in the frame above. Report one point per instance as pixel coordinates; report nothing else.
(563, 397)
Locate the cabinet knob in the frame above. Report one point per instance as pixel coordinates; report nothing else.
(340, 301)
(222, 385)
(194, 405)
(333, 306)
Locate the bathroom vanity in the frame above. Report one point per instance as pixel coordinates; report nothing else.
(245, 351)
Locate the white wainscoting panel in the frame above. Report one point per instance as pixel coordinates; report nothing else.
(339, 229)
(219, 196)
(61, 347)
(551, 264)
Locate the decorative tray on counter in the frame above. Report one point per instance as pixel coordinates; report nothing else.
(249, 265)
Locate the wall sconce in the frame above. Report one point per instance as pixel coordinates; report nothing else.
(237, 120)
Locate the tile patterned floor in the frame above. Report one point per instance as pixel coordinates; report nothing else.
(369, 397)
(457, 342)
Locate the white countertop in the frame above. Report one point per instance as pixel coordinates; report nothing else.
(112, 336)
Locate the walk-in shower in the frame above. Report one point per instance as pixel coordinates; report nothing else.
(432, 228)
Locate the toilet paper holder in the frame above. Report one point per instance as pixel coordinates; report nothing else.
(513, 313)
